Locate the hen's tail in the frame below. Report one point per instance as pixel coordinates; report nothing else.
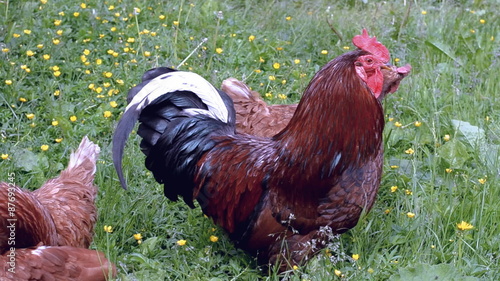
(178, 112)
(245, 100)
(70, 198)
(56, 263)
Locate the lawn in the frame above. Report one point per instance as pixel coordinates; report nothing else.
(66, 67)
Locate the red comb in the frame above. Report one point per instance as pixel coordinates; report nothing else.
(371, 45)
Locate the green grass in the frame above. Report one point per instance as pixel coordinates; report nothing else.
(456, 63)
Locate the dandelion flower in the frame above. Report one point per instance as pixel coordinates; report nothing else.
(4, 156)
(108, 74)
(113, 104)
(355, 257)
(30, 116)
(417, 123)
(57, 22)
(46, 57)
(251, 38)
(30, 53)
(394, 188)
(219, 50)
(181, 242)
(108, 228)
(410, 215)
(137, 236)
(107, 114)
(44, 147)
(214, 238)
(73, 118)
(57, 73)
(55, 123)
(463, 225)
(83, 6)
(276, 65)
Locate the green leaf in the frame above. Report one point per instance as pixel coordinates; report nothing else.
(25, 160)
(420, 272)
(454, 152)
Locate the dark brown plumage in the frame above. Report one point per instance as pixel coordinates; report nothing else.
(255, 117)
(60, 213)
(281, 197)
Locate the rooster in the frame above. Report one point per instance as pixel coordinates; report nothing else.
(60, 213)
(280, 198)
(255, 117)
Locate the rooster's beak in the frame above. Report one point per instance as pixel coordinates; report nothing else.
(386, 67)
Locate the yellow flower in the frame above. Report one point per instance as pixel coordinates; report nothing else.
(394, 188)
(120, 81)
(282, 96)
(408, 192)
(355, 257)
(57, 22)
(30, 53)
(410, 215)
(130, 40)
(472, 31)
(251, 38)
(8, 82)
(98, 61)
(424, 12)
(147, 54)
(57, 93)
(108, 74)
(56, 41)
(398, 124)
(409, 151)
(396, 60)
(387, 211)
(258, 71)
(482, 21)
(59, 32)
(30, 116)
(324, 52)
(44, 147)
(272, 77)
(108, 228)
(107, 114)
(346, 47)
(394, 166)
(5, 50)
(296, 61)
(162, 17)
(55, 123)
(261, 60)
(295, 267)
(288, 18)
(46, 57)
(43, 1)
(463, 225)
(446, 137)
(137, 236)
(5, 156)
(276, 65)
(337, 272)
(279, 48)
(58, 140)
(176, 23)
(113, 104)
(83, 6)
(27, 31)
(370, 270)
(448, 170)
(86, 52)
(76, 14)
(23, 100)
(181, 242)
(57, 73)
(214, 238)
(219, 50)
(73, 118)
(417, 123)
(482, 181)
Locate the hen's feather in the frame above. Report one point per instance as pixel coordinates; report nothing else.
(56, 263)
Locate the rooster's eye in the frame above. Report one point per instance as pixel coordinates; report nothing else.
(369, 60)
(358, 63)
